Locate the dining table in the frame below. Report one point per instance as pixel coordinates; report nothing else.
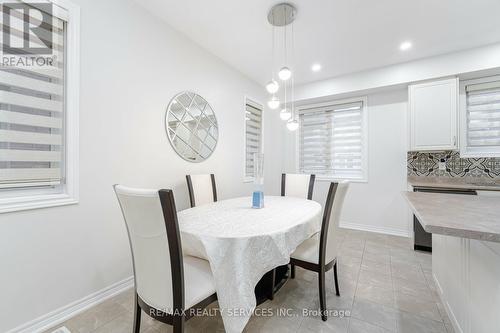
(242, 244)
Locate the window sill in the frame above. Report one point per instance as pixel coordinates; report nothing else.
(333, 179)
(42, 201)
(248, 180)
(472, 154)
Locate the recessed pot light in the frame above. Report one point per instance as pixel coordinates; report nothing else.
(316, 67)
(405, 46)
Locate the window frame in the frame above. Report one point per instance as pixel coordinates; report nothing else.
(20, 199)
(254, 101)
(365, 141)
(465, 151)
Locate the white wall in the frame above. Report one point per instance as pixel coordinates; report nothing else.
(132, 64)
(378, 204)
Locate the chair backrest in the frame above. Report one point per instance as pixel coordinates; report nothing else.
(151, 220)
(297, 185)
(331, 218)
(202, 189)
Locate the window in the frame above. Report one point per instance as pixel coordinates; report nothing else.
(333, 140)
(480, 117)
(253, 136)
(39, 107)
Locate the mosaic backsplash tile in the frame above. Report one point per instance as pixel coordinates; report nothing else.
(427, 164)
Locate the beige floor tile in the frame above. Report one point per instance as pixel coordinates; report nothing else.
(376, 279)
(125, 299)
(375, 294)
(346, 252)
(316, 325)
(359, 326)
(380, 258)
(375, 267)
(97, 316)
(418, 306)
(410, 323)
(68, 324)
(375, 314)
(407, 272)
(413, 287)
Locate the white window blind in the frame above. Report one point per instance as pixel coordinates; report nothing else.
(253, 136)
(483, 117)
(32, 107)
(332, 140)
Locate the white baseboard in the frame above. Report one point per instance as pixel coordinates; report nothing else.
(62, 314)
(447, 307)
(371, 228)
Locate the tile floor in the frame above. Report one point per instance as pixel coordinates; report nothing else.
(385, 287)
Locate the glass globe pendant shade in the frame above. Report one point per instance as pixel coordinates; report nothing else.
(285, 114)
(273, 103)
(272, 87)
(285, 73)
(292, 125)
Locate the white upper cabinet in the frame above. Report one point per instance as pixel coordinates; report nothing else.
(433, 115)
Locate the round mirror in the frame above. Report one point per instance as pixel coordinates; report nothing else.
(191, 126)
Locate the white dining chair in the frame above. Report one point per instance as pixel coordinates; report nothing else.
(297, 185)
(202, 189)
(319, 253)
(168, 286)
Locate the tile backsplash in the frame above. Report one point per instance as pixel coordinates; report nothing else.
(427, 164)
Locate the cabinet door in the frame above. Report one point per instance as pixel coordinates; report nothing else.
(484, 292)
(433, 115)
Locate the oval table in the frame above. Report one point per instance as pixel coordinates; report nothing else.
(242, 244)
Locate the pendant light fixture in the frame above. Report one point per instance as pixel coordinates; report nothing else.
(293, 123)
(282, 15)
(272, 87)
(285, 113)
(273, 103)
(285, 73)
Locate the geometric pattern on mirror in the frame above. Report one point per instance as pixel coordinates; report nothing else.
(191, 126)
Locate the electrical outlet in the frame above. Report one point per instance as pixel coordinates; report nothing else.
(442, 165)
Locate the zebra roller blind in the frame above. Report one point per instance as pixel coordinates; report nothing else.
(483, 116)
(331, 140)
(253, 136)
(32, 112)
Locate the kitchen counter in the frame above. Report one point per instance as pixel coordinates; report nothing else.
(465, 255)
(465, 216)
(455, 183)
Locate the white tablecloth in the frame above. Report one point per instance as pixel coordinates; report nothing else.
(242, 244)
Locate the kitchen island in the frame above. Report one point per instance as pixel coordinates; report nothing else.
(465, 255)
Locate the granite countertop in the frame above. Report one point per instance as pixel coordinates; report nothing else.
(466, 216)
(455, 183)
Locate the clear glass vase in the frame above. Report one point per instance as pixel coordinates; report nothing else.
(258, 192)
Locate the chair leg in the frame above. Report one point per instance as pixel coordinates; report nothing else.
(273, 282)
(335, 277)
(322, 296)
(178, 324)
(292, 271)
(137, 316)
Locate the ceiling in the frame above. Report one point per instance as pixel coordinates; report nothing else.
(344, 36)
